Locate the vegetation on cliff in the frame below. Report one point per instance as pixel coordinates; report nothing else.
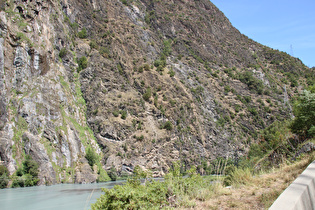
(27, 175)
(304, 111)
(276, 147)
(96, 86)
(4, 176)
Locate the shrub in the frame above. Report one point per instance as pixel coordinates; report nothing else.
(238, 177)
(124, 2)
(116, 113)
(157, 63)
(3, 170)
(4, 177)
(253, 111)
(112, 173)
(30, 166)
(140, 70)
(147, 95)
(227, 88)
(146, 67)
(252, 82)
(17, 182)
(82, 34)
(104, 51)
(123, 114)
(174, 191)
(237, 108)
(74, 26)
(83, 62)
(93, 44)
(140, 138)
(63, 52)
(27, 175)
(103, 176)
(167, 50)
(171, 73)
(120, 69)
(91, 156)
(168, 125)
(304, 111)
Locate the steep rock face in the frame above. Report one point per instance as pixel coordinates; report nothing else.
(140, 82)
(38, 103)
(212, 87)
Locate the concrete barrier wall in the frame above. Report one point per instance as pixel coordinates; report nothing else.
(300, 194)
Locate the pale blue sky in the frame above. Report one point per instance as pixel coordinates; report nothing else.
(278, 24)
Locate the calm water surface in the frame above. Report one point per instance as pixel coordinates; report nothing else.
(57, 197)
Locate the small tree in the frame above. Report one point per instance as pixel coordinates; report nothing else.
(83, 62)
(304, 111)
(91, 156)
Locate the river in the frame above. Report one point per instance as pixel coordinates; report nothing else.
(57, 197)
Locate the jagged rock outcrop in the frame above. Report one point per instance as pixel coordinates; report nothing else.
(140, 82)
(37, 101)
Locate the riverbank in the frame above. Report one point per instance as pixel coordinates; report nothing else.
(257, 192)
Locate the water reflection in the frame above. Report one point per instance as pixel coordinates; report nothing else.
(61, 197)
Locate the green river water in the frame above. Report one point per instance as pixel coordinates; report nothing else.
(57, 197)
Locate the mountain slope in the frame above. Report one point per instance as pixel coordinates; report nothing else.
(139, 82)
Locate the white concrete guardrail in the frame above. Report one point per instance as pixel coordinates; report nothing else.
(300, 194)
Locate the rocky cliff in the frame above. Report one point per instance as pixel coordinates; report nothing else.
(138, 82)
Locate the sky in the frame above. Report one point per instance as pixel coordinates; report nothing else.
(286, 25)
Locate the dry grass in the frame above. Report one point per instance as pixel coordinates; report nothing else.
(259, 193)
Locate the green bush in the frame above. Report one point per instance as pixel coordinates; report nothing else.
(63, 52)
(146, 67)
(123, 114)
(26, 180)
(171, 73)
(252, 82)
(140, 138)
(124, 2)
(91, 156)
(4, 176)
(112, 173)
(17, 182)
(227, 88)
(238, 177)
(147, 95)
(3, 170)
(104, 51)
(115, 113)
(174, 191)
(103, 176)
(167, 50)
(30, 166)
(237, 108)
(93, 44)
(253, 111)
(27, 175)
(82, 34)
(168, 125)
(304, 111)
(82, 62)
(120, 69)
(74, 26)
